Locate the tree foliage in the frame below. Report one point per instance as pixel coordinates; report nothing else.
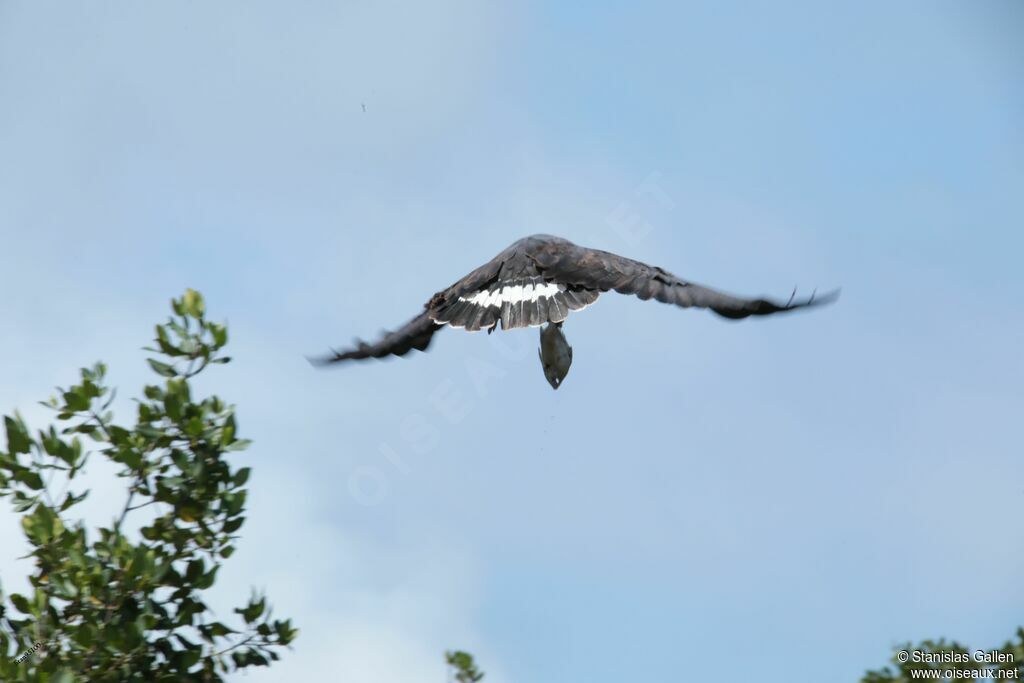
(463, 666)
(124, 602)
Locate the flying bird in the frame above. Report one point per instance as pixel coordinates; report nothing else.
(538, 281)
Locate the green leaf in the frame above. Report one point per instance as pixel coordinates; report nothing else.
(150, 432)
(56, 524)
(241, 476)
(179, 387)
(465, 668)
(71, 500)
(18, 440)
(195, 570)
(239, 445)
(194, 427)
(118, 434)
(181, 461)
(190, 657)
(162, 369)
(207, 579)
(23, 502)
(164, 342)
(89, 388)
(218, 630)
(189, 346)
(188, 512)
(220, 334)
(172, 404)
(70, 454)
(227, 434)
(253, 610)
(193, 303)
(76, 401)
(29, 478)
(284, 631)
(20, 603)
(234, 502)
(131, 458)
(40, 526)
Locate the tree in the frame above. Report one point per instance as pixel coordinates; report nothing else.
(124, 602)
(463, 666)
(942, 660)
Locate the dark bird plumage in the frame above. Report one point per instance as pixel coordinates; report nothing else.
(541, 279)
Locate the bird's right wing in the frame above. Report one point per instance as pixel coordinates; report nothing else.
(605, 271)
(415, 334)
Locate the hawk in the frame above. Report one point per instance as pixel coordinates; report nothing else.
(538, 281)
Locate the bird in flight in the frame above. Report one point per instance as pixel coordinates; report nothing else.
(538, 281)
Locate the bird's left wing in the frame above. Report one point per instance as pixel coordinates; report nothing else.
(415, 334)
(602, 270)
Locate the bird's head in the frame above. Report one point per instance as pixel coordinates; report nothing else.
(555, 355)
(554, 375)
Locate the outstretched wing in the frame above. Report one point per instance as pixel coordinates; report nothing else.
(541, 279)
(602, 270)
(415, 334)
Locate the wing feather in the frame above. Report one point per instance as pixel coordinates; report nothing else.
(595, 269)
(415, 334)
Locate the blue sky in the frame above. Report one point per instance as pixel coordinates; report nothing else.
(794, 494)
